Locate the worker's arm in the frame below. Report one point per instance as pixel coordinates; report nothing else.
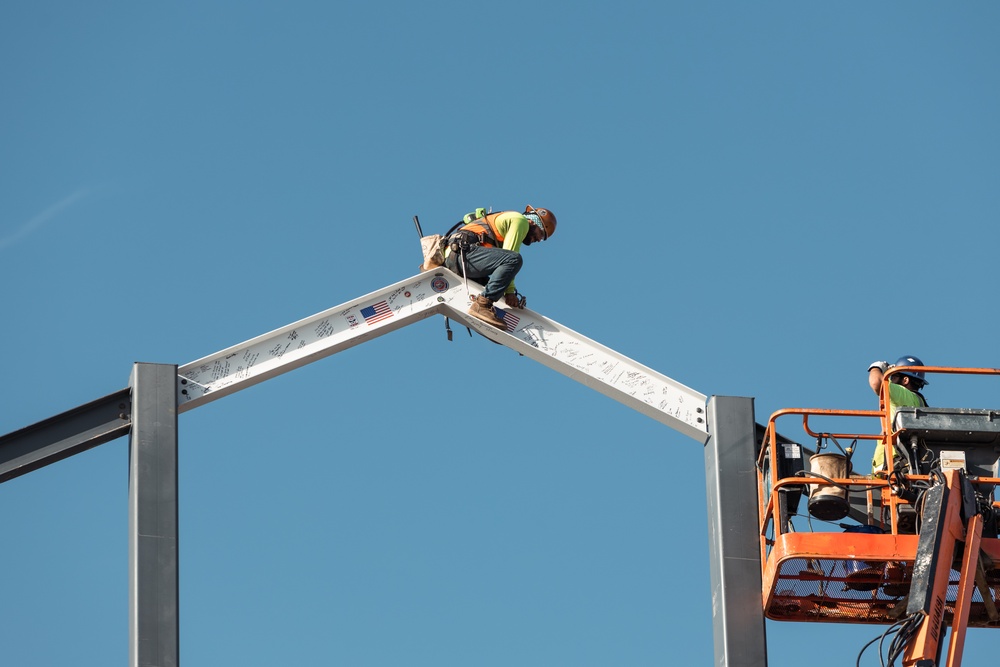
(875, 374)
(514, 227)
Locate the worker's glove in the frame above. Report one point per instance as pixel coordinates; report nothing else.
(881, 365)
(514, 300)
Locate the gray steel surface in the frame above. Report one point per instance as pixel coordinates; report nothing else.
(442, 292)
(733, 535)
(152, 500)
(148, 409)
(65, 434)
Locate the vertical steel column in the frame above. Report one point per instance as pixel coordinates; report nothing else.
(734, 546)
(152, 499)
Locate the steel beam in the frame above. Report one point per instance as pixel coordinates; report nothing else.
(438, 292)
(148, 410)
(64, 435)
(731, 485)
(152, 497)
(442, 292)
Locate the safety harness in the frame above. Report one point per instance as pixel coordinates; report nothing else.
(475, 229)
(473, 233)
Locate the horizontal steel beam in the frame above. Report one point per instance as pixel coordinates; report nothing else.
(63, 435)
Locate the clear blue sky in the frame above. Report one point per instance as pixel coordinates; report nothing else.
(755, 199)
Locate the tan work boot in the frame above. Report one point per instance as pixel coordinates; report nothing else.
(482, 308)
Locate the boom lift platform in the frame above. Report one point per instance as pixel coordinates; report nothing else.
(914, 547)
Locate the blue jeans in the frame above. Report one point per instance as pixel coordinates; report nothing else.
(499, 265)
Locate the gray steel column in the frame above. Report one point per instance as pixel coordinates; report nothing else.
(734, 545)
(152, 500)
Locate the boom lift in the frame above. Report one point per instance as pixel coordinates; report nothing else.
(914, 547)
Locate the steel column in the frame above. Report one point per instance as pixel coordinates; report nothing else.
(152, 495)
(734, 546)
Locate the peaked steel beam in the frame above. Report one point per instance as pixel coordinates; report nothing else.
(438, 292)
(442, 292)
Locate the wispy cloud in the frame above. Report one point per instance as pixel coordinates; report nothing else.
(37, 222)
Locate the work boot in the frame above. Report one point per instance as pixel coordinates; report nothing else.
(482, 308)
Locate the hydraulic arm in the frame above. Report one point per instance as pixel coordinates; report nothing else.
(949, 519)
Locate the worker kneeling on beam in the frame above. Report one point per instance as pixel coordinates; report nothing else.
(489, 246)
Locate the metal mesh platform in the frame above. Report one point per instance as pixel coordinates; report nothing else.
(837, 590)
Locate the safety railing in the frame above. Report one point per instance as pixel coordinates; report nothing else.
(889, 432)
(781, 468)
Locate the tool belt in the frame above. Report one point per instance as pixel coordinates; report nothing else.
(461, 242)
(465, 239)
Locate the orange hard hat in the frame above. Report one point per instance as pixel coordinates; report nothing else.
(547, 217)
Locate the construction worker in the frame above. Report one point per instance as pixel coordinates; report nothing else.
(904, 391)
(489, 246)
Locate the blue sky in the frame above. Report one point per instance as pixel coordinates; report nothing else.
(755, 199)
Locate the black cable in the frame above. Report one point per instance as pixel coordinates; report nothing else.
(829, 436)
(857, 663)
(902, 632)
(903, 636)
(880, 638)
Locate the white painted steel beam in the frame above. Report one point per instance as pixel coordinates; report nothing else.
(442, 292)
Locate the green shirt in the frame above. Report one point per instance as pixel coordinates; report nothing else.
(899, 397)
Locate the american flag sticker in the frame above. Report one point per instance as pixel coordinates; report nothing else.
(510, 320)
(376, 313)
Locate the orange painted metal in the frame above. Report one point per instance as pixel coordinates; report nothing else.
(927, 641)
(887, 430)
(827, 575)
(966, 586)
